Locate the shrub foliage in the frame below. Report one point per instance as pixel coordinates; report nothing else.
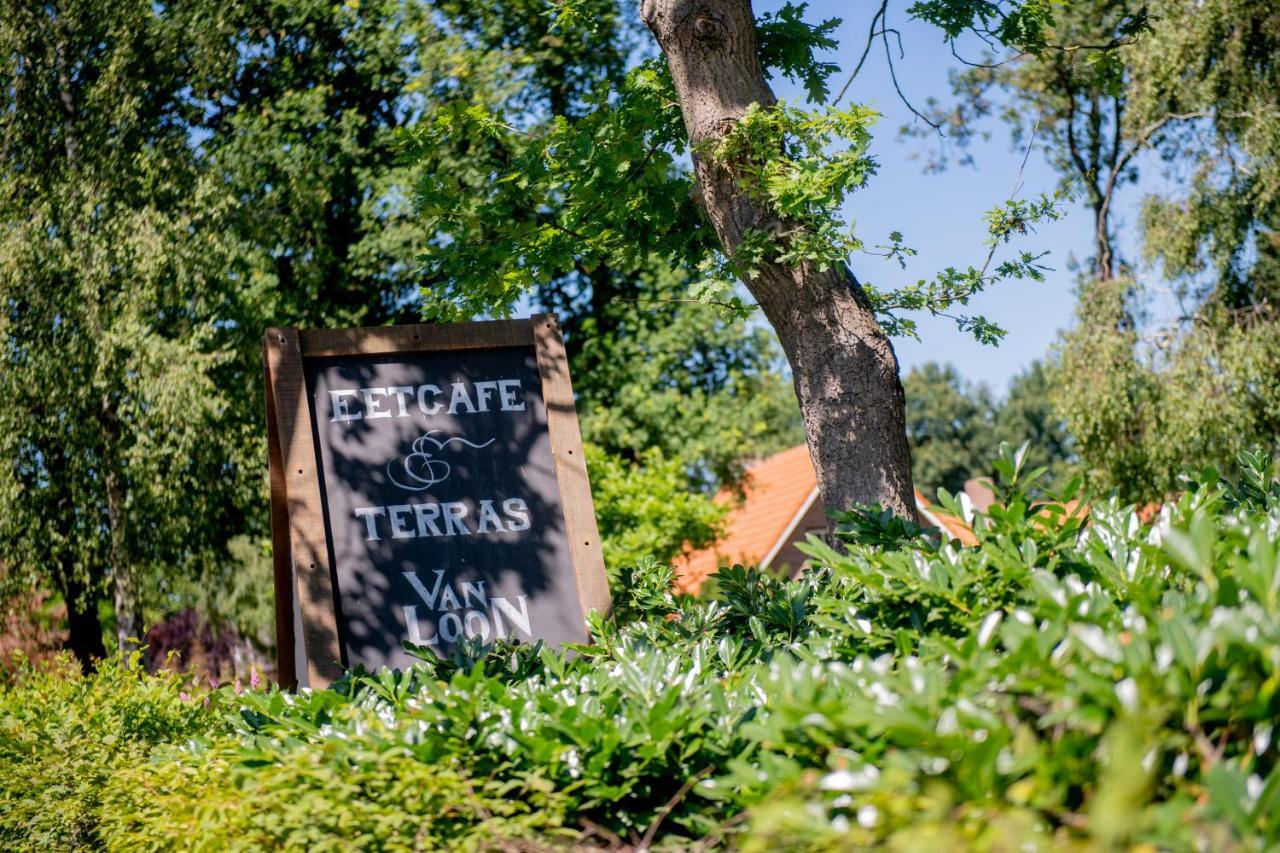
(1077, 679)
(64, 735)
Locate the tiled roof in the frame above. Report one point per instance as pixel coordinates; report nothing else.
(777, 490)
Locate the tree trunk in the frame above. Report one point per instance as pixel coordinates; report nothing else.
(1102, 240)
(84, 629)
(124, 585)
(123, 582)
(845, 370)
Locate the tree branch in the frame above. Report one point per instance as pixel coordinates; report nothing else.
(990, 65)
(1073, 147)
(871, 37)
(893, 75)
(1140, 142)
(880, 18)
(652, 831)
(716, 302)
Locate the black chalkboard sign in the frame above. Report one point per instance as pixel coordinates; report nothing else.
(428, 486)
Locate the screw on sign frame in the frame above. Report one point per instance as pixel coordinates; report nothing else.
(310, 635)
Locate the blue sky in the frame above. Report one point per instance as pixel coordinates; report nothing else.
(941, 214)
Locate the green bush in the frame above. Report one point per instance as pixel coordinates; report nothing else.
(63, 735)
(645, 508)
(343, 796)
(1064, 683)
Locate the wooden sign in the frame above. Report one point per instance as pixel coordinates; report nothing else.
(427, 485)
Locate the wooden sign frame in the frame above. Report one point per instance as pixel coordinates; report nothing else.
(307, 624)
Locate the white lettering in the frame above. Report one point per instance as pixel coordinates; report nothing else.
(454, 513)
(450, 518)
(489, 520)
(411, 622)
(341, 411)
(423, 391)
(465, 398)
(519, 617)
(476, 589)
(402, 391)
(483, 390)
(479, 619)
(429, 598)
(476, 616)
(415, 634)
(517, 512)
(511, 401)
(397, 515)
(460, 398)
(369, 513)
(371, 409)
(449, 627)
(427, 515)
(449, 600)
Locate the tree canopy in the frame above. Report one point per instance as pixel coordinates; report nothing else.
(178, 176)
(1173, 353)
(956, 428)
(205, 172)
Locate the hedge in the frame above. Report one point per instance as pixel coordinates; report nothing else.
(1072, 681)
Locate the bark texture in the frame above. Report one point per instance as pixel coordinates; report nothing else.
(845, 369)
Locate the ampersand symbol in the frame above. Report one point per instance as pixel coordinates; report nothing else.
(422, 468)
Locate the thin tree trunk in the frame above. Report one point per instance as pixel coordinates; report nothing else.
(124, 584)
(84, 629)
(65, 95)
(845, 370)
(1102, 240)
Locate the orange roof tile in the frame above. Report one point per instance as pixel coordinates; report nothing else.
(776, 491)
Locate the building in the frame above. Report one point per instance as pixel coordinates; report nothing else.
(780, 508)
